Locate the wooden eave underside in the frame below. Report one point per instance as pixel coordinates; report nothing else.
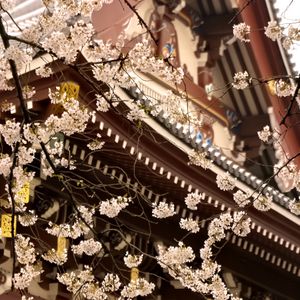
(271, 233)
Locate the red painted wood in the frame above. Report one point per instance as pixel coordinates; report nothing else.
(270, 63)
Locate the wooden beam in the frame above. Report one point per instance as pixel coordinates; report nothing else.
(216, 25)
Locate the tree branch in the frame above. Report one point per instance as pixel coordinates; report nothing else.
(141, 21)
(13, 67)
(293, 100)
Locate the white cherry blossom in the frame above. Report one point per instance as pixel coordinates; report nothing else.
(138, 287)
(189, 224)
(273, 30)
(242, 31)
(89, 247)
(264, 134)
(199, 158)
(241, 80)
(193, 199)
(294, 207)
(242, 199)
(225, 182)
(263, 203)
(163, 210)
(112, 207)
(132, 261)
(283, 88)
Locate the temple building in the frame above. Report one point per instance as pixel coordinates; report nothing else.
(150, 159)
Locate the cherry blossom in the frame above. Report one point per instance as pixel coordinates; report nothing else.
(132, 261)
(23, 279)
(263, 203)
(28, 218)
(54, 257)
(175, 255)
(241, 225)
(294, 207)
(241, 198)
(65, 33)
(7, 4)
(102, 104)
(163, 210)
(273, 30)
(283, 88)
(111, 208)
(264, 134)
(19, 56)
(24, 250)
(96, 144)
(89, 247)
(192, 199)
(189, 225)
(241, 80)
(225, 182)
(242, 31)
(135, 288)
(136, 114)
(111, 282)
(199, 158)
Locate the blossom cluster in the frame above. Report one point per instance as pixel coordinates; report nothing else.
(84, 283)
(23, 279)
(225, 182)
(242, 224)
(241, 80)
(111, 282)
(241, 199)
(132, 261)
(273, 30)
(241, 31)
(28, 218)
(163, 210)
(264, 134)
(138, 287)
(25, 250)
(25, 254)
(294, 207)
(136, 114)
(112, 207)
(199, 158)
(292, 37)
(263, 203)
(284, 88)
(142, 60)
(55, 257)
(193, 199)
(74, 281)
(189, 224)
(74, 119)
(175, 255)
(205, 279)
(72, 231)
(276, 32)
(89, 247)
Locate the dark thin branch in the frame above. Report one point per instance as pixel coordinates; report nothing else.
(240, 11)
(12, 19)
(13, 67)
(121, 58)
(13, 210)
(293, 100)
(141, 21)
(20, 40)
(16, 148)
(264, 184)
